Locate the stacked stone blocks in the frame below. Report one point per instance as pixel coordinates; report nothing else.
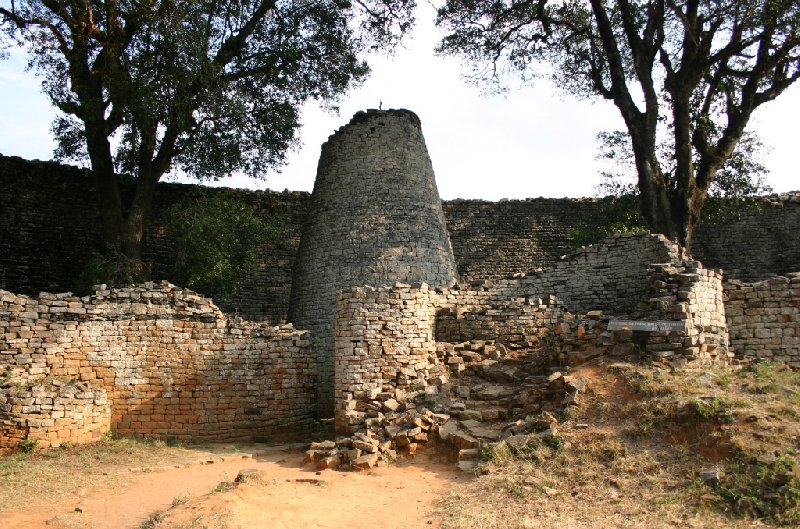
(170, 363)
(385, 343)
(52, 412)
(375, 218)
(764, 318)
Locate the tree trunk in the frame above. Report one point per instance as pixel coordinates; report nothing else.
(132, 232)
(106, 185)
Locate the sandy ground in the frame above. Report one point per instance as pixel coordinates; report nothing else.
(287, 495)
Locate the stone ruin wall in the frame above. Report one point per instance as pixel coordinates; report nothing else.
(492, 240)
(44, 205)
(47, 205)
(609, 275)
(764, 318)
(152, 360)
(386, 338)
(385, 350)
(375, 218)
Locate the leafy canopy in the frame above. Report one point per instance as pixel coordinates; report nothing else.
(212, 85)
(218, 242)
(699, 66)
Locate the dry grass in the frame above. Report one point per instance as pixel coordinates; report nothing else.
(651, 432)
(25, 477)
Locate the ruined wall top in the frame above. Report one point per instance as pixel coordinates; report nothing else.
(364, 116)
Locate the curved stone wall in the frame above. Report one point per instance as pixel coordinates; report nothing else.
(166, 361)
(375, 218)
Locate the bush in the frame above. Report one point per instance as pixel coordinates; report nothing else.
(113, 268)
(218, 241)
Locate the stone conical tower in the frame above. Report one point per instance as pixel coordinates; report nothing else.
(375, 219)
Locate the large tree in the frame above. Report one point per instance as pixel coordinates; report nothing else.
(691, 70)
(204, 86)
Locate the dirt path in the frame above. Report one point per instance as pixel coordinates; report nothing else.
(390, 497)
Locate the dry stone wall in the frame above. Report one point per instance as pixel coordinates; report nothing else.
(689, 293)
(388, 339)
(51, 413)
(760, 241)
(374, 219)
(49, 227)
(492, 240)
(385, 351)
(610, 275)
(764, 318)
(169, 362)
(45, 205)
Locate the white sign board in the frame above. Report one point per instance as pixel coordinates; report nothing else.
(651, 326)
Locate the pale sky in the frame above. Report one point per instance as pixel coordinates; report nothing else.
(534, 141)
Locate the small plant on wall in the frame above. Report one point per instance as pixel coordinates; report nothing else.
(218, 242)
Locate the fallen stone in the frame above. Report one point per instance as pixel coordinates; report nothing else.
(365, 462)
(493, 393)
(580, 357)
(517, 443)
(467, 466)
(329, 462)
(710, 477)
(351, 454)
(463, 440)
(474, 415)
(499, 373)
(247, 474)
(447, 429)
(578, 384)
(391, 404)
(324, 445)
(492, 414)
(477, 429)
(469, 454)
(370, 447)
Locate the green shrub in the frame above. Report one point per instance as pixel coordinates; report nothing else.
(218, 242)
(113, 268)
(28, 444)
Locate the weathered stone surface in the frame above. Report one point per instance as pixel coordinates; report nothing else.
(764, 319)
(153, 360)
(493, 393)
(469, 454)
(248, 474)
(517, 443)
(365, 462)
(375, 218)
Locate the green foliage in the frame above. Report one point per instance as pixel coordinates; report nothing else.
(768, 490)
(555, 442)
(774, 378)
(218, 243)
(715, 410)
(28, 445)
(616, 214)
(112, 268)
(685, 84)
(208, 88)
(735, 190)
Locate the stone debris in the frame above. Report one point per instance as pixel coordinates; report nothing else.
(248, 474)
(710, 477)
